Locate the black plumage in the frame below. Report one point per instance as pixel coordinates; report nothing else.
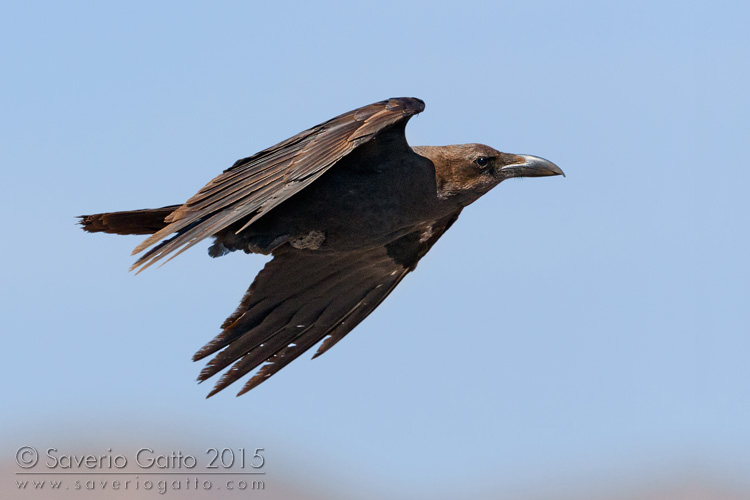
(346, 208)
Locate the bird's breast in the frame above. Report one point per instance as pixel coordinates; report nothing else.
(348, 209)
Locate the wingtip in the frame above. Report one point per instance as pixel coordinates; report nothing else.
(138, 267)
(321, 350)
(218, 387)
(207, 372)
(254, 382)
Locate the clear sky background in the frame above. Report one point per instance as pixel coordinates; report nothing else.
(564, 331)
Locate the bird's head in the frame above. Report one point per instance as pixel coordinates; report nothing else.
(467, 171)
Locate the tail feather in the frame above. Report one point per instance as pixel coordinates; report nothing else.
(145, 221)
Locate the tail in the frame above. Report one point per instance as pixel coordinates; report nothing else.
(146, 221)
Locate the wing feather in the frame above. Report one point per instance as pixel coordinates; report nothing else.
(303, 297)
(255, 185)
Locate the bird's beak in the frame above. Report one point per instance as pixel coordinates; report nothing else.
(531, 166)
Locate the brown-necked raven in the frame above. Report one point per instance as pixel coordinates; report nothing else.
(346, 208)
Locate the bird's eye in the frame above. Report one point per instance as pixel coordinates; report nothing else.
(482, 161)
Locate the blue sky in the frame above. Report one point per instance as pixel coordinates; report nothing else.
(563, 328)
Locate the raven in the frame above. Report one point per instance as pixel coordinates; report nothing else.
(347, 208)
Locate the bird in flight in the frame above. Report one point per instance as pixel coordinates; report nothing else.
(347, 208)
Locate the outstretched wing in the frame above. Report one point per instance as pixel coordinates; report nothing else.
(255, 185)
(302, 297)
